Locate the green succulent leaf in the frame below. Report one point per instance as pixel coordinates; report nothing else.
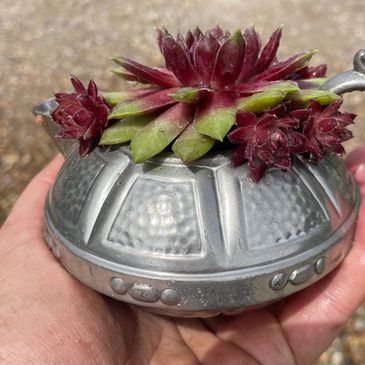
(114, 98)
(323, 97)
(260, 86)
(316, 80)
(216, 115)
(125, 129)
(188, 94)
(125, 75)
(158, 134)
(285, 86)
(144, 105)
(259, 102)
(191, 144)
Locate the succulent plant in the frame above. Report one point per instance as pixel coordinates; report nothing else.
(326, 130)
(212, 83)
(82, 114)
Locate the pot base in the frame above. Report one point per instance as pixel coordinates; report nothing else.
(203, 295)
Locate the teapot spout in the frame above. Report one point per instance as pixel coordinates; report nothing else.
(42, 112)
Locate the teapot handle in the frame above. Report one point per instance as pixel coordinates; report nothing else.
(353, 80)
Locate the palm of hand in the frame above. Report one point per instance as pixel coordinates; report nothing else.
(48, 317)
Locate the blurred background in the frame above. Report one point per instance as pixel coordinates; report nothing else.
(43, 42)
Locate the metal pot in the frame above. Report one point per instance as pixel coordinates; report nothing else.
(199, 239)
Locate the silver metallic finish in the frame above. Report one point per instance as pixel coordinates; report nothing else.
(279, 281)
(353, 80)
(144, 293)
(118, 285)
(302, 275)
(201, 239)
(170, 297)
(320, 265)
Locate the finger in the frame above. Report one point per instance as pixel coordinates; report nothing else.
(25, 222)
(209, 348)
(258, 333)
(314, 317)
(29, 206)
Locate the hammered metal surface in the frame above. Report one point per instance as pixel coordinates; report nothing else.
(288, 208)
(201, 239)
(163, 211)
(72, 187)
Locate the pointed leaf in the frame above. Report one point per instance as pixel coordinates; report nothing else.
(77, 84)
(125, 75)
(116, 97)
(147, 74)
(181, 42)
(303, 97)
(189, 94)
(299, 114)
(189, 39)
(92, 90)
(125, 129)
(269, 51)
(216, 115)
(240, 135)
(144, 105)
(204, 54)
(191, 144)
(318, 71)
(245, 119)
(177, 61)
(331, 108)
(258, 86)
(310, 72)
(159, 133)
(316, 80)
(197, 33)
(260, 102)
(217, 32)
(285, 68)
(252, 48)
(238, 157)
(257, 169)
(228, 64)
(307, 84)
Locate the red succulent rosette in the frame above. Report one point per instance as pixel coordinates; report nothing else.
(213, 84)
(326, 129)
(82, 115)
(275, 137)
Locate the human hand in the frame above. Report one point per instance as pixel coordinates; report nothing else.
(46, 316)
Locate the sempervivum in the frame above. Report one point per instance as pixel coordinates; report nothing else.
(213, 83)
(82, 115)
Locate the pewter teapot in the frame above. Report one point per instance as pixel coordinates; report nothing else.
(199, 239)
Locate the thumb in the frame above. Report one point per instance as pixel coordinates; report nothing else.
(29, 207)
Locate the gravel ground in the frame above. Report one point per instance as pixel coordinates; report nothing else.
(42, 42)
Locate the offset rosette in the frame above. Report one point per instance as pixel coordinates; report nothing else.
(216, 83)
(82, 115)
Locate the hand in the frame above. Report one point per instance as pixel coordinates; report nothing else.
(46, 316)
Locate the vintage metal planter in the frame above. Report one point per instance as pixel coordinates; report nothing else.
(199, 239)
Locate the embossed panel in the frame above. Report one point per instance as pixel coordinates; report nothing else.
(72, 187)
(334, 173)
(283, 205)
(164, 212)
